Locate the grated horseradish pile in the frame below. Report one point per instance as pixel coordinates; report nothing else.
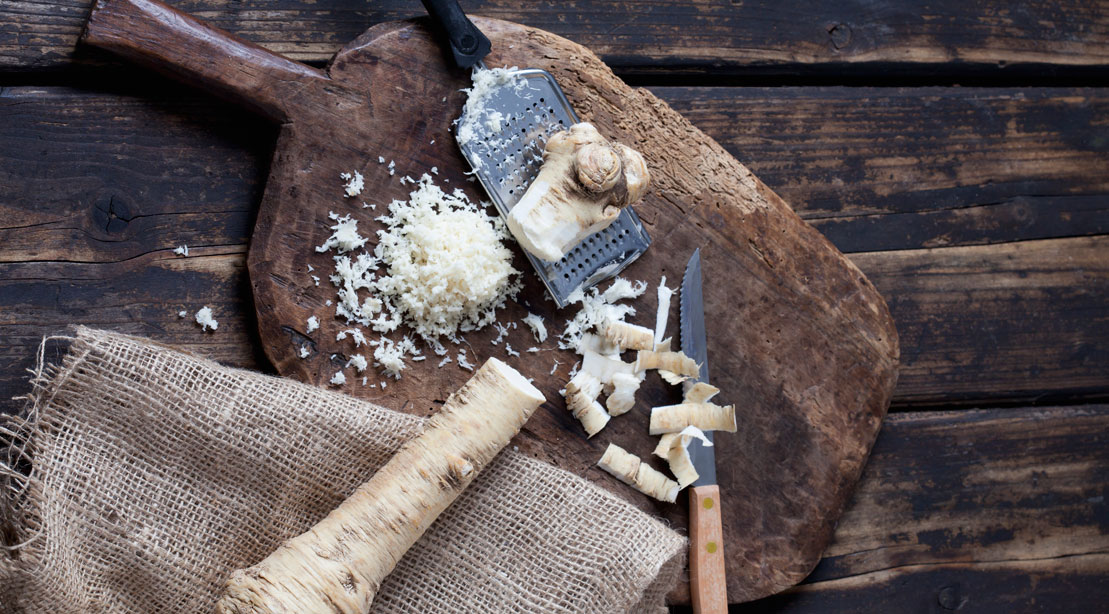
(440, 266)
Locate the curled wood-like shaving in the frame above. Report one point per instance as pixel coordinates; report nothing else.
(631, 470)
(581, 399)
(628, 336)
(674, 447)
(705, 416)
(622, 397)
(700, 392)
(675, 362)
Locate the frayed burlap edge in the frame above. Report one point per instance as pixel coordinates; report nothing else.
(21, 493)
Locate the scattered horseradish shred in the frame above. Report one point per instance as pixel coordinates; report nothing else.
(502, 332)
(535, 323)
(205, 320)
(338, 379)
(390, 355)
(358, 361)
(354, 333)
(354, 183)
(462, 362)
(312, 324)
(623, 289)
(182, 250)
(345, 238)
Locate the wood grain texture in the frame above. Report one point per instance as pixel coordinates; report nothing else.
(1054, 586)
(690, 36)
(989, 511)
(1016, 313)
(879, 169)
(95, 193)
(89, 179)
(808, 346)
(708, 590)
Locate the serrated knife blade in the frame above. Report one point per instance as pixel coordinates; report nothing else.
(707, 585)
(691, 314)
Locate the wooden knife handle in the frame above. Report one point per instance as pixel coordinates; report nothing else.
(707, 585)
(191, 50)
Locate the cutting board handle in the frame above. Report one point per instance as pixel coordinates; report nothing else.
(189, 49)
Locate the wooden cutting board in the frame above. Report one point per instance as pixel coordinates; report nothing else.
(799, 340)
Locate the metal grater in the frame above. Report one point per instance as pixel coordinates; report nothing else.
(507, 161)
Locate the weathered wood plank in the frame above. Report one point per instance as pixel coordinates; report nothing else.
(1043, 471)
(141, 295)
(1054, 586)
(900, 168)
(872, 169)
(190, 171)
(982, 511)
(107, 177)
(649, 37)
(985, 323)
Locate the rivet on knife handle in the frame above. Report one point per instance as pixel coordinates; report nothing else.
(707, 586)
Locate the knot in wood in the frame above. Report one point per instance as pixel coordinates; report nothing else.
(951, 598)
(840, 35)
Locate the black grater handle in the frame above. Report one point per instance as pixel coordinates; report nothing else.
(467, 42)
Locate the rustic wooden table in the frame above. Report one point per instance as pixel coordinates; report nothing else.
(957, 152)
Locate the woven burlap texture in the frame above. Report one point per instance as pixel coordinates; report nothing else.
(155, 473)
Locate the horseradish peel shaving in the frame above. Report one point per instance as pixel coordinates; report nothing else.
(600, 335)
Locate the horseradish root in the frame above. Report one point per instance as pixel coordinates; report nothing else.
(583, 185)
(705, 416)
(631, 470)
(338, 565)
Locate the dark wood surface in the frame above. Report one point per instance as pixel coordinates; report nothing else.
(946, 37)
(978, 213)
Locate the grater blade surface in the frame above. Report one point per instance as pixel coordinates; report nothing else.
(506, 161)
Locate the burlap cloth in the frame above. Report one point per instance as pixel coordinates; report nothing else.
(154, 474)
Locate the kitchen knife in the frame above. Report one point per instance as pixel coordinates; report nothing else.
(708, 590)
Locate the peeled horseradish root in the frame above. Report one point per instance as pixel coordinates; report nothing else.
(338, 565)
(584, 183)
